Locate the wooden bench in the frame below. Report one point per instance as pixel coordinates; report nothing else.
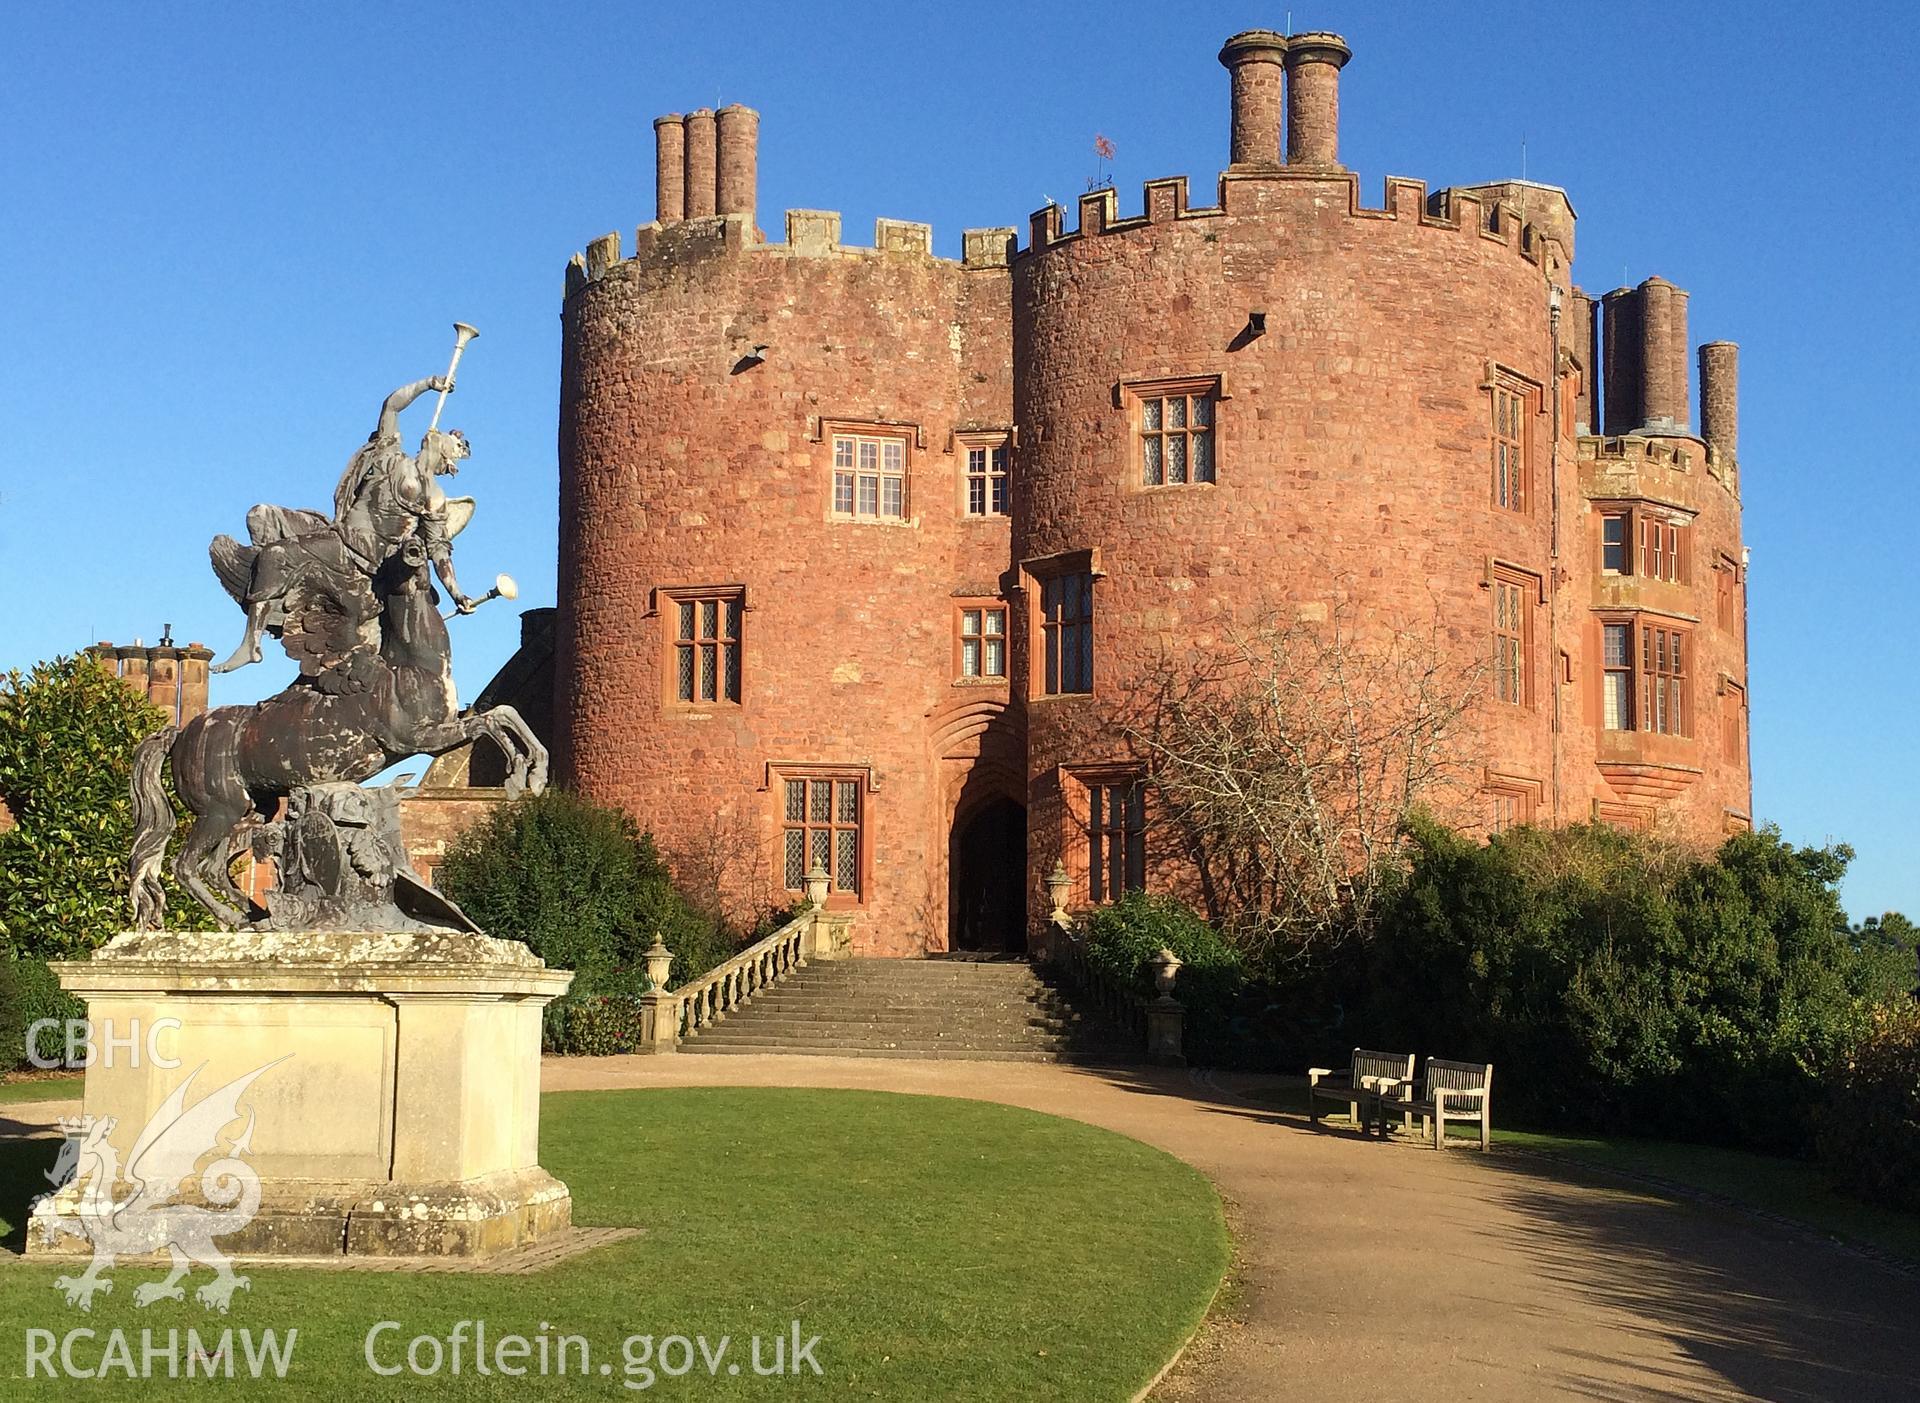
(1371, 1076)
(1464, 1089)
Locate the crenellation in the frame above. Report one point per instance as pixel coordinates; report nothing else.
(809, 234)
(1638, 450)
(1402, 198)
(1165, 200)
(903, 236)
(988, 248)
(1043, 228)
(602, 254)
(1099, 210)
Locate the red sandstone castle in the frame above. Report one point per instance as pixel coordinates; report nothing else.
(863, 551)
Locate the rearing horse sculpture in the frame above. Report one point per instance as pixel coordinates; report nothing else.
(237, 761)
(350, 598)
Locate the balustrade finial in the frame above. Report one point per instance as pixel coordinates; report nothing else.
(659, 961)
(1165, 967)
(1057, 883)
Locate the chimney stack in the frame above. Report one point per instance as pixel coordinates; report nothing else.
(194, 659)
(1255, 62)
(163, 680)
(1585, 339)
(1314, 62)
(171, 677)
(670, 168)
(737, 161)
(1663, 357)
(131, 664)
(701, 186)
(1720, 398)
(1621, 373)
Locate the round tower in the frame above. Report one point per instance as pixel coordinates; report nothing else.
(769, 547)
(1285, 408)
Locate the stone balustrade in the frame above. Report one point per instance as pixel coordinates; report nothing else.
(668, 1019)
(1158, 1023)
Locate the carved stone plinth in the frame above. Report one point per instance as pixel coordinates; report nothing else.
(396, 1106)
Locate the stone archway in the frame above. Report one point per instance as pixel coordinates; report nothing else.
(987, 878)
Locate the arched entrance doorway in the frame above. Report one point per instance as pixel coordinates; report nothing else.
(987, 858)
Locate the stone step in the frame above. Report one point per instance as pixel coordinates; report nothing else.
(766, 1011)
(828, 1043)
(941, 1055)
(927, 969)
(921, 1033)
(1048, 1006)
(928, 984)
(996, 1009)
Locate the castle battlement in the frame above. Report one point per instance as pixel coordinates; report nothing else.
(1164, 201)
(811, 233)
(1632, 450)
(1635, 453)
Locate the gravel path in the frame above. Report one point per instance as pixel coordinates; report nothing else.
(1372, 1271)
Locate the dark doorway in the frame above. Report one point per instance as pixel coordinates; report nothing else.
(988, 862)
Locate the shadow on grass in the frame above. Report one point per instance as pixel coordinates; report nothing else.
(24, 1160)
(1774, 1314)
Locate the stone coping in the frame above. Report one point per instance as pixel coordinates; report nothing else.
(534, 1257)
(346, 962)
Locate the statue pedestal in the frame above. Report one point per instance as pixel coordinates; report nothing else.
(396, 1106)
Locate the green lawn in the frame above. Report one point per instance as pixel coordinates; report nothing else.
(60, 1086)
(1792, 1188)
(941, 1249)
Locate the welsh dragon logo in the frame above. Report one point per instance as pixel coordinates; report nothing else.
(147, 1220)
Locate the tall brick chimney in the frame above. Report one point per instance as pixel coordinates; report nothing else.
(1254, 61)
(1720, 398)
(131, 665)
(736, 167)
(701, 186)
(670, 168)
(171, 677)
(194, 661)
(1620, 373)
(1663, 357)
(1585, 341)
(1314, 62)
(163, 677)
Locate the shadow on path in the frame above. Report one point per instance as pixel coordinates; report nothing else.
(1774, 1313)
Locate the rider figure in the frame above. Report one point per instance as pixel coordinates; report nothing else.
(384, 499)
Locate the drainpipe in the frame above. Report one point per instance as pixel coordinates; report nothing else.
(1553, 571)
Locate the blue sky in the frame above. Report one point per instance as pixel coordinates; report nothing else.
(227, 230)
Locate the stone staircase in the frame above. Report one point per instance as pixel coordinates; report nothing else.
(997, 1010)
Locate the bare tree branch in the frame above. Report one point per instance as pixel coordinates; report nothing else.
(1290, 759)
